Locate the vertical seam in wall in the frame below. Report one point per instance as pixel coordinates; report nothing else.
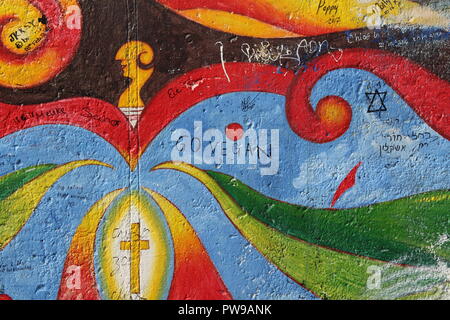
(129, 37)
(138, 140)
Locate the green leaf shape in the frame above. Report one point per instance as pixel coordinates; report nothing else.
(329, 273)
(10, 182)
(405, 231)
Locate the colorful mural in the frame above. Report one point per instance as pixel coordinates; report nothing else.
(217, 150)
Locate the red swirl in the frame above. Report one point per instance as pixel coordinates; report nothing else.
(427, 94)
(44, 60)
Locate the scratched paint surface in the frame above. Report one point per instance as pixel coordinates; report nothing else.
(260, 149)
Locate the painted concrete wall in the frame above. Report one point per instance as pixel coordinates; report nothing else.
(258, 149)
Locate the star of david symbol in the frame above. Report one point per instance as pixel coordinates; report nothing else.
(376, 100)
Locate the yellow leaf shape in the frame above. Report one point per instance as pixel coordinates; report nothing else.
(16, 209)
